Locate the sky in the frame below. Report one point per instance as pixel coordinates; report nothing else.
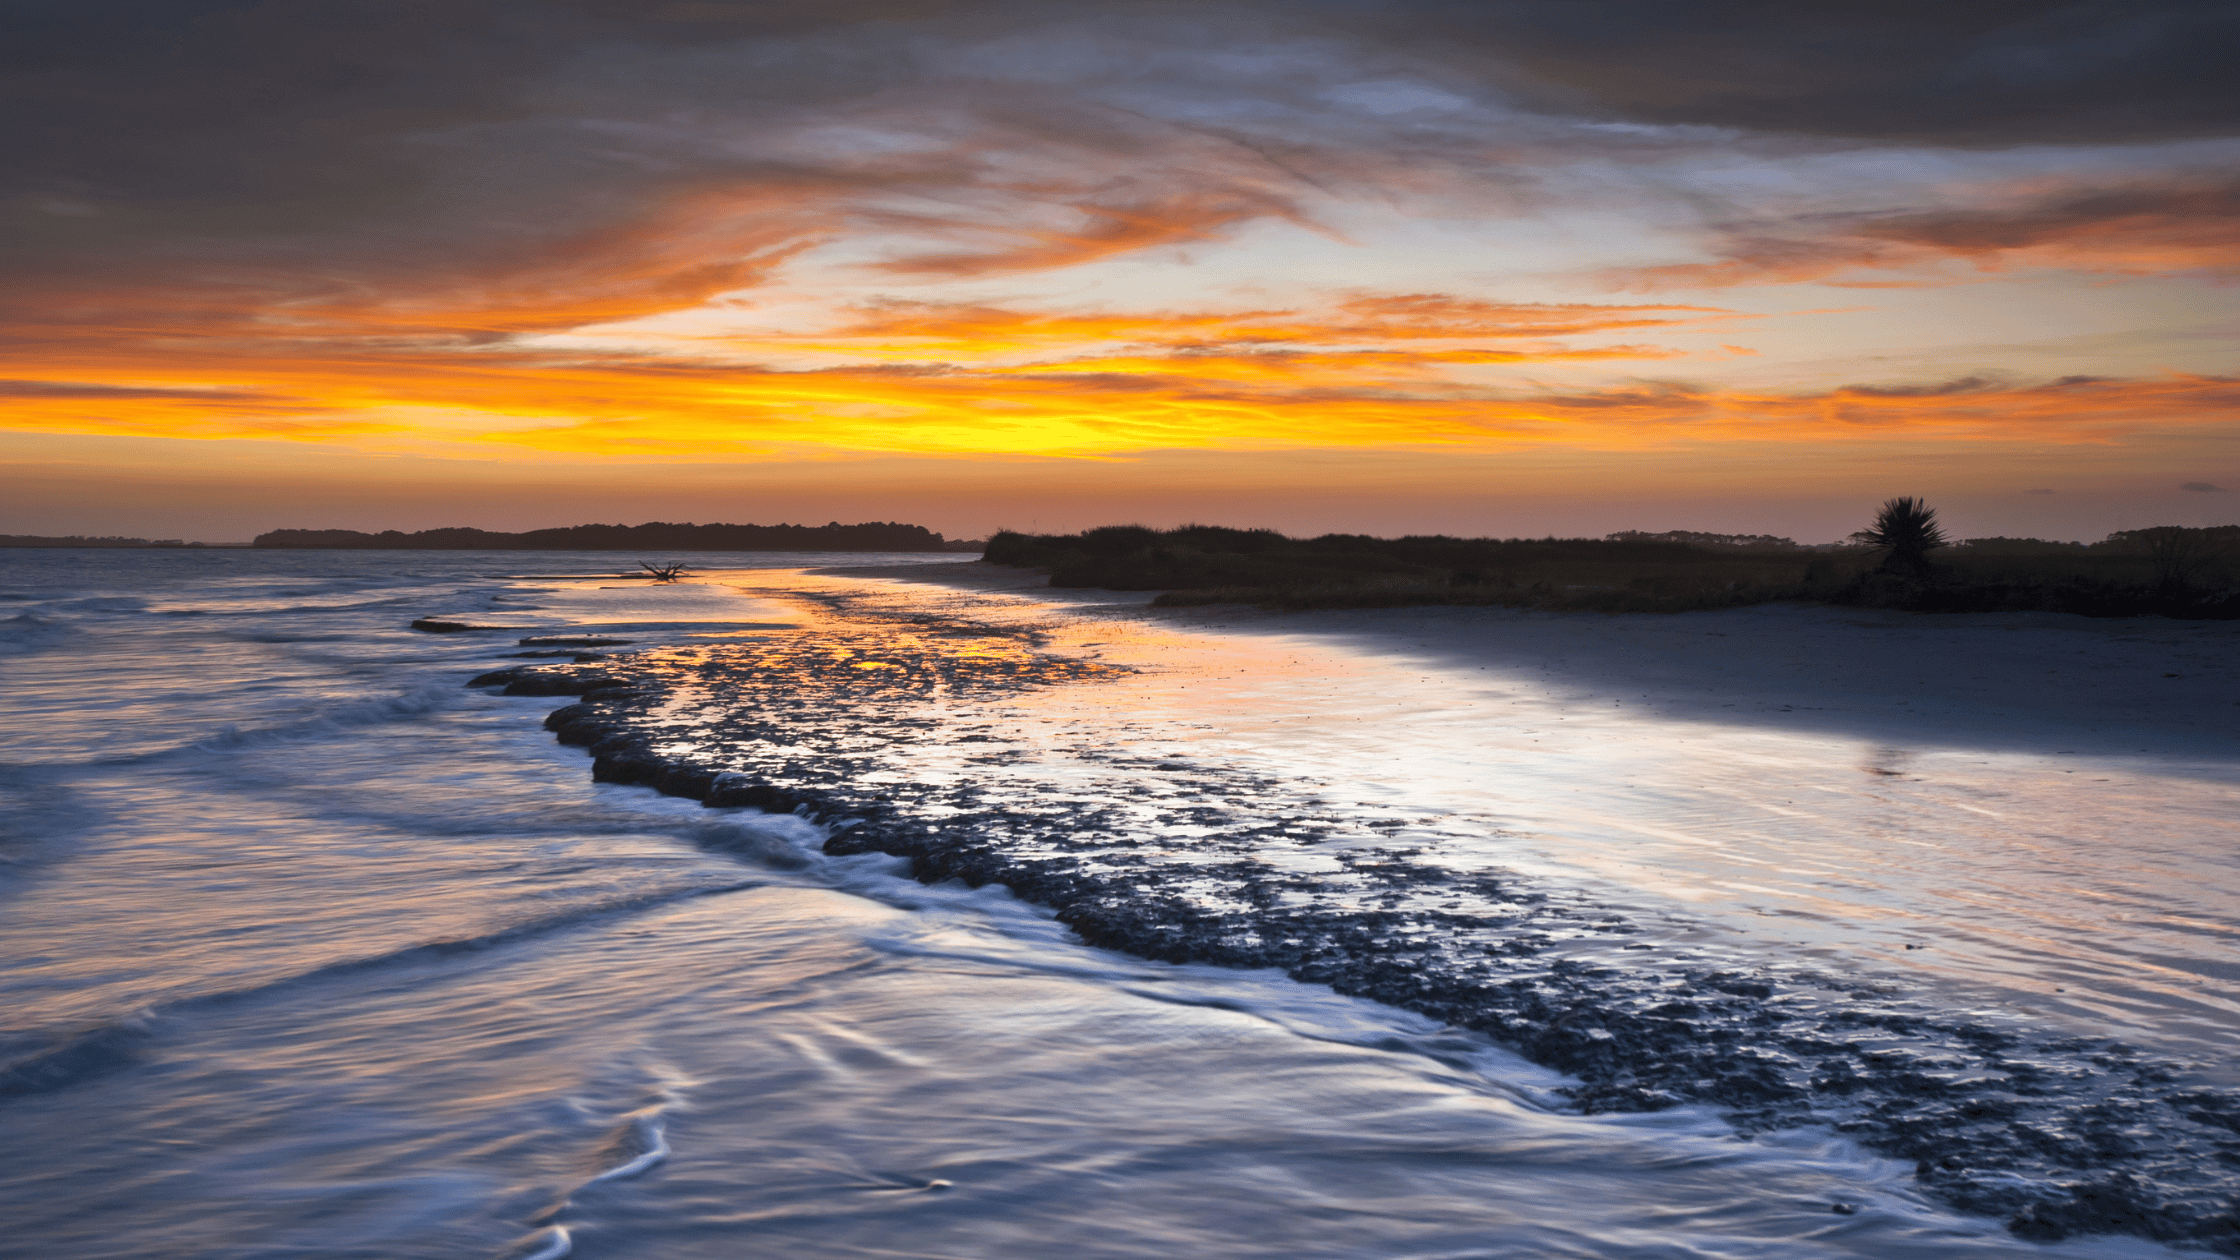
(1506, 267)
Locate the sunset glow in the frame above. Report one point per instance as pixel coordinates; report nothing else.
(910, 239)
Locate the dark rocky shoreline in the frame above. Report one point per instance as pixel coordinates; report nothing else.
(1190, 861)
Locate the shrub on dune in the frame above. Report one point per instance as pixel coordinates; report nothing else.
(1905, 531)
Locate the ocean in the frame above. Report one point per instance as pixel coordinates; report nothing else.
(309, 948)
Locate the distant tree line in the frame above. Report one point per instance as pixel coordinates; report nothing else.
(1695, 538)
(81, 540)
(651, 536)
(1901, 561)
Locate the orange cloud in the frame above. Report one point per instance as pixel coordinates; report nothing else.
(1331, 404)
(689, 251)
(1100, 231)
(897, 328)
(1334, 369)
(185, 411)
(508, 396)
(1760, 259)
(1441, 315)
(1363, 370)
(2076, 409)
(445, 357)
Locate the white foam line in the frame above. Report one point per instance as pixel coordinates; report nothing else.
(657, 1149)
(557, 1245)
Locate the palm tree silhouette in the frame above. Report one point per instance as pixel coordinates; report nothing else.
(1905, 531)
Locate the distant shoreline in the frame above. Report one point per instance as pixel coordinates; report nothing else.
(953, 549)
(652, 536)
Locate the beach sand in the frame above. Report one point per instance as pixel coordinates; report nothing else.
(2025, 682)
(1948, 884)
(2042, 809)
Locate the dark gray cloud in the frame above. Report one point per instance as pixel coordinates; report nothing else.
(2212, 204)
(181, 161)
(1960, 385)
(2181, 222)
(188, 129)
(2202, 487)
(1979, 72)
(486, 168)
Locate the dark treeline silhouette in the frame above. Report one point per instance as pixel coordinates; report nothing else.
(2167, 570)
(652, 536)
(1737, 542)
(81, 540)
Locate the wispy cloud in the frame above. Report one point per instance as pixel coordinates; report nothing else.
(948, 328)
(1201, 395)
(2171, 228)
(1098, 230)
(2142, 229)
(341, 222)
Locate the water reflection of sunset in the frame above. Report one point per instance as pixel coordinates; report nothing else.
(1718, 762)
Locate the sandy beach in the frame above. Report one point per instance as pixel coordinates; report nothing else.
(2024, 682)
(2036, 810)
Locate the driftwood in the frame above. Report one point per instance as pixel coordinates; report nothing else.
(664, 572)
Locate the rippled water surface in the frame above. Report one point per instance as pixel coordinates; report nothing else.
(307, 950)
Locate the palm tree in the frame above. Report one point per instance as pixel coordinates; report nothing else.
(1905, 531)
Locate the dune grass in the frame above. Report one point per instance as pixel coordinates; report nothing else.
(2168, 571)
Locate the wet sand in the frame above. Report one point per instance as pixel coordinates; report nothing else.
(2030, 682)
(1806, 866)
(2029, 806)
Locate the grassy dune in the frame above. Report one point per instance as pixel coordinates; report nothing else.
(2169, 571)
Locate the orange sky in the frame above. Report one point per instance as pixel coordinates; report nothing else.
(1314, 289)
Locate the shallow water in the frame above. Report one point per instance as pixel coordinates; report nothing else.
(2062, 874)
(307, 950)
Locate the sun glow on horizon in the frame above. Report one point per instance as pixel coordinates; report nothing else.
(1170, 247)
(1364, 370)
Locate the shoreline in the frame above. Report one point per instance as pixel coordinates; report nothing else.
(890, 727)
(1972, 679)
(1732, 766)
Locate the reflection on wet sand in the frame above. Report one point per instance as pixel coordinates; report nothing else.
(1396, 829)
(2102, 889)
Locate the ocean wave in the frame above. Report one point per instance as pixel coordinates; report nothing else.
(66, 1059)
(27, 633)
(248, 609)
(333, 718)
(101, 604)
(35, 812)
(288, 610)
(550, 1243)
(642, 1143)
(631, 1145)
(650, 1144)
(42, 1063)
